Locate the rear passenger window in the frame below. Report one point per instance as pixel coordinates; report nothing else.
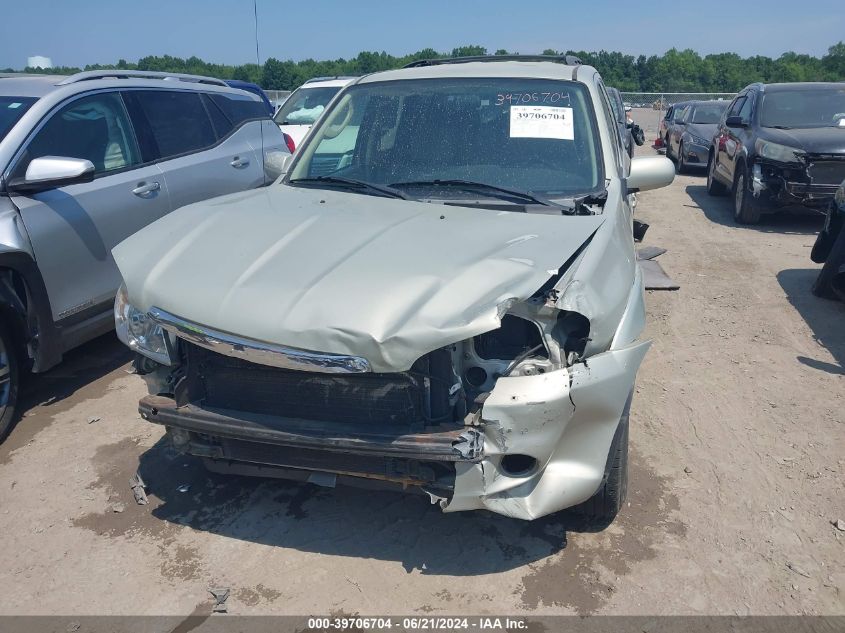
(222, 124)
(239, 108)
(177, 121)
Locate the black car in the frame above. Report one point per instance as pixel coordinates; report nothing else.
(829, 250)
(780, 145)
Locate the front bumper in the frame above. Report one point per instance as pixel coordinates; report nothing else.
(561, 423)
(811, 184)
(696, 155)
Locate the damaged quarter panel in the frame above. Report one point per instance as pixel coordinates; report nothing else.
(564, 419)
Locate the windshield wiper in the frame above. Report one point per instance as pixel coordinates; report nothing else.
(351, 182)
(499, 192)
(779, 127)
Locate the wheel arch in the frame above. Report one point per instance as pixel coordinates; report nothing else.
(25, 306)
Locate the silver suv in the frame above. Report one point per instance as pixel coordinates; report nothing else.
(441, 295)
(87, 160)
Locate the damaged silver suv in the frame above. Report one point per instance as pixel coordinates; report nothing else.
(441, 295)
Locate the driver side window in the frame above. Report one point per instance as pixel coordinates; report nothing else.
(745, 111)
(94, 128)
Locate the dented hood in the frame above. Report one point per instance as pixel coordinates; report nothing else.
(381, 278)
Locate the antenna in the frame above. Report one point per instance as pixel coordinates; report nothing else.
(258, 62)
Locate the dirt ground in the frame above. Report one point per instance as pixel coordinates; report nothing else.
(737, 472)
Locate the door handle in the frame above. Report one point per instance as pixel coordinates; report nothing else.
(145, 189)
(237, 161)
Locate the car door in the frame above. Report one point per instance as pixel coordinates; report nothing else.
(196, 161)
(74, 228)
(742, 137)
(664, 123)
(677, 129)
(732, 138)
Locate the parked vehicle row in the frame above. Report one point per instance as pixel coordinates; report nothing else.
(85, 162)
(441, 295)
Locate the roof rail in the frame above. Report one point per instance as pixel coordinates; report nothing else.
(308, 81)
(569, 60)
(90, 75)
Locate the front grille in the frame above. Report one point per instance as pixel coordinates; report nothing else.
(831, 172)
(219, 381)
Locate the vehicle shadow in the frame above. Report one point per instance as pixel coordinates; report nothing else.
(78, 368)
(51, 392)
(825, 317)
(719, 209)
(345, 521)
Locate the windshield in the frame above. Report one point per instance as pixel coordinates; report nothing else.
(11, 110)
(522, 134)
(305, 105)
(709, 112)
(812, 107)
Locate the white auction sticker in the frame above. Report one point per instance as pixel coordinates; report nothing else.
(542, 122)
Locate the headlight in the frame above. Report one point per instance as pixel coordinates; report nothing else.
(699, 140)
(139, 332)
(777, 152)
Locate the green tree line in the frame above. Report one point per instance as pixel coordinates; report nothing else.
(674, 71)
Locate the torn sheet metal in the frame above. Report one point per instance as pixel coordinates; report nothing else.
(568, 428)
(654, 277)
(649, 252)
(313, 272)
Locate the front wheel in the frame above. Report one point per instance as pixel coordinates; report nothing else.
(9, 381)
(746, 208)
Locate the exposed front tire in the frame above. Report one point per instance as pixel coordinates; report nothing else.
(601, 509)
(830, 284)
(746, 208)
(714, 187)
(9, 380)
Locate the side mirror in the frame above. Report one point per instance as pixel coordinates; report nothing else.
(735, 121)
(650, 172)
(50, 172)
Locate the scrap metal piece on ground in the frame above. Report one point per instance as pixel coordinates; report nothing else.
(654, 277)
(137, 484)
(221, 594)
(639, 230)
(649, 252)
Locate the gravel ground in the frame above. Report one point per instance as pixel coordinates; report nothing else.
(736, 475)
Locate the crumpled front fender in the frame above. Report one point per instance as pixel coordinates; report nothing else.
(565, 419)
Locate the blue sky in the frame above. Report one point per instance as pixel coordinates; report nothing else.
(74, 33)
